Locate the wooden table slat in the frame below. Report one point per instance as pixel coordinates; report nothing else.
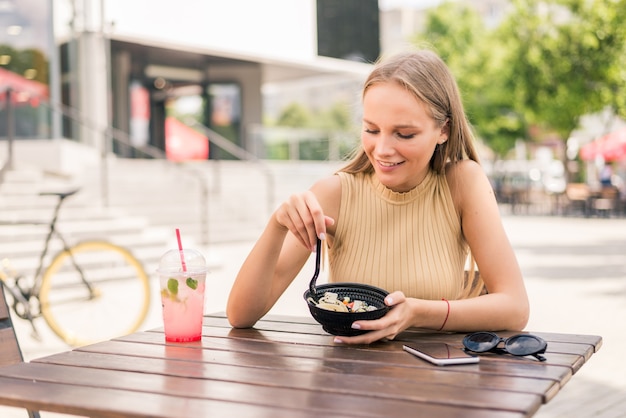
(306, 395)
(288, 367)
(460, 375)
(83, 400)
(468, 389)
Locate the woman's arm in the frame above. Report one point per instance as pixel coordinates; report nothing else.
(281, 251)
(506, 304)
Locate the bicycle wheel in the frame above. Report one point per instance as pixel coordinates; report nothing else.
(117, 303)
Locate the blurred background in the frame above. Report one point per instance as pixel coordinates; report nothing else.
(107, 94)
(205, 115)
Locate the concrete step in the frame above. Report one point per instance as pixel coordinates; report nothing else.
(26, 235)
(148, 253)
(27, 180)
(82, 217)
(146, 200)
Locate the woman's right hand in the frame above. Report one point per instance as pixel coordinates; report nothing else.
(302, 214)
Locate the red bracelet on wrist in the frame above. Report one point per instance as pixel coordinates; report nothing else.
(447, 314)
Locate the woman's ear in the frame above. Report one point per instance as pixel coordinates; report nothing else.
(445, 132)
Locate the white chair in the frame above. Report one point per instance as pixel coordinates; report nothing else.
(10, 352)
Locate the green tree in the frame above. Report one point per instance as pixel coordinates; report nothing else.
(546, 65)
(295, 115)
(566, 59)
(336, 117)
(327, 125)
(477, 60)
(25, 59)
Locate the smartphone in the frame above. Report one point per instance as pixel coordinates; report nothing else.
(440, 354)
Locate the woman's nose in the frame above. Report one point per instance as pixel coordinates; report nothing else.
(385, 145)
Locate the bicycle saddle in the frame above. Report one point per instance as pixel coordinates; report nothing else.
(61, 195)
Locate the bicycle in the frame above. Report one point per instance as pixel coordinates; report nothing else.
(90, 291)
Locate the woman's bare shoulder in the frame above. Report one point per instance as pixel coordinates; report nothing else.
(330, 185)
(466, 178)
(463, 168)
(464, 173)
(328, 192)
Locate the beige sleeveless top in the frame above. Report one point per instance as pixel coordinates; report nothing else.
(399, 241)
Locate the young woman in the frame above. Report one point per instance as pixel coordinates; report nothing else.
(409, 213)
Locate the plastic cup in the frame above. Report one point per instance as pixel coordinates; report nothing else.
(182, 294)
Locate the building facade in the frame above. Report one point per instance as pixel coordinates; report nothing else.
(112, 71)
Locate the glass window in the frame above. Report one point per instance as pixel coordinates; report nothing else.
(225, 115)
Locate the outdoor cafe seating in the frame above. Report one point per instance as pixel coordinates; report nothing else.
(582, 199)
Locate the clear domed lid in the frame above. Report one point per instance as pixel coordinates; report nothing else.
(172, 261)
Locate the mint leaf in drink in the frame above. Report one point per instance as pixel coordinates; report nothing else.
(172, 286)
(192, 283)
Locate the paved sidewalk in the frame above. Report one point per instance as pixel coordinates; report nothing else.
(575, 272)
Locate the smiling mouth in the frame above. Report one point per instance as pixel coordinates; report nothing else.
(388, 164)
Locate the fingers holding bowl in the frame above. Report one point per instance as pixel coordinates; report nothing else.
(340, 323)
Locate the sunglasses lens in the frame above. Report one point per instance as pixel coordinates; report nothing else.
(480, 342)
(523, 345)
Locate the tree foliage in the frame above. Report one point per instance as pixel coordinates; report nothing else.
(567, 58)
(545, 65)
(22, 60)
(337, 117)
(295, 115)
(458, 34)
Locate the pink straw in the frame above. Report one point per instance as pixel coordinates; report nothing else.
(180, 249)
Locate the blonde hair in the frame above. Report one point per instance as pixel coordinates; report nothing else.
(426, 76)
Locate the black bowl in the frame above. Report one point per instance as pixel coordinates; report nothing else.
(340, 323)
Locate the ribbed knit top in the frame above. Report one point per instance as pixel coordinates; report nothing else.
(399, 241)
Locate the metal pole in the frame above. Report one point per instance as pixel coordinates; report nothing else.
(205, 211)
(8, 164)
(10, 128)
(55, 78)
(104, 168)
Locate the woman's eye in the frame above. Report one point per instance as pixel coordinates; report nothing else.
(371, 131)
(407, 136)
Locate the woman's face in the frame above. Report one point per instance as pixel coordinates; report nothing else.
(399, 135)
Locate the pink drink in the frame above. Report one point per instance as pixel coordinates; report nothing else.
(182, 296)
(183, 275)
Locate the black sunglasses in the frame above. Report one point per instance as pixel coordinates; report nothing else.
(517, 345)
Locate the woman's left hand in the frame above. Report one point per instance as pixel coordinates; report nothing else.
(386, 328)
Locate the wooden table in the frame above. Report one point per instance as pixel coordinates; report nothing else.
(287, 367)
